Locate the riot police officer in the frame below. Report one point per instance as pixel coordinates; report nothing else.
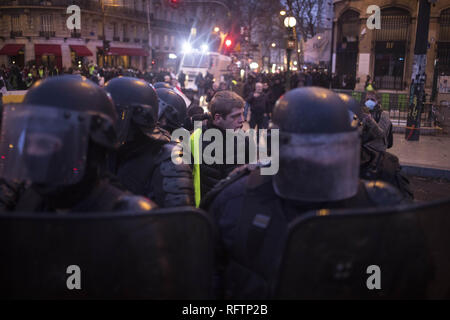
(376, 164)
(172, 111)
(143, 164)
(57, 143)
(318, 170)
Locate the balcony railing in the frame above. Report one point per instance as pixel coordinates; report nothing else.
(116, 38)
(75, 34)
(100, 37)
(137, 40)
(83, 4)
(47, 34)
(16, 34)
(126, 40)
(169, 25)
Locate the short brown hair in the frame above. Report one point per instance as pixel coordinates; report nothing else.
(224, 102)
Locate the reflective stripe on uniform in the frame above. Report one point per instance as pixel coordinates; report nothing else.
(195, 147)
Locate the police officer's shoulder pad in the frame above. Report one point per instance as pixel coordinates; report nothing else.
(232, 177)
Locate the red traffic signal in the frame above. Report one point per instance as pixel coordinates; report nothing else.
(174, 3)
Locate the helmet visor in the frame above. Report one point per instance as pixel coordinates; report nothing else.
(43, 144)
(317, 168)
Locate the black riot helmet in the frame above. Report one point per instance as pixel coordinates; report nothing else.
(162, 85)
(319, 149)
(137, 106)
(354, 109)
(46, 139)
(172, 109)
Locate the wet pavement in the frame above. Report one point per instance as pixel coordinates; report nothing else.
(429, 151)
(428, 189)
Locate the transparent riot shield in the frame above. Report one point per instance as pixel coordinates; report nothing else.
(165, 254)
(394, 253)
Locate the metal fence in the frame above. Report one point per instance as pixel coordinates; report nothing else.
(397, 105)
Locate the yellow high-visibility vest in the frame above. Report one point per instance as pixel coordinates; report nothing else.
(195, 149)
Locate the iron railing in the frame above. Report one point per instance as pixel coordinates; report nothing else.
(397, 105)
(46, 34)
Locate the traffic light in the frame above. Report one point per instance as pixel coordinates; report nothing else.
(174, 3)
(228, 46)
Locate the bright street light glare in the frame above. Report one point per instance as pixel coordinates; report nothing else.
(273, 45)
(204, 48)
(187, 48)
(172, 56)
(282, 13)
(216, 29)
(290, 22)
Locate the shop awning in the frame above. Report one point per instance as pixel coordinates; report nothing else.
(41, 49)
(133, 52)
(81, 51)
(11, 49)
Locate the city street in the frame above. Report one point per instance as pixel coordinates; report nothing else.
(123, 173)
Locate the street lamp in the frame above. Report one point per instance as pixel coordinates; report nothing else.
(282, 13)
(290, 22)
(273, 45)
(216, 29)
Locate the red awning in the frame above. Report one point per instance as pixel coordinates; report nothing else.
(41, 49)
(133, 52)
(81, 51)
(11, 49)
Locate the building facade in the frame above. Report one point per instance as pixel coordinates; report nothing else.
(138, 32)
(387, 54)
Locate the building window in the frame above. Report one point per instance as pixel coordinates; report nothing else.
(391, 48)
(15, 23)
(443, 55)
(47, 23)
(441, 77)
(125, 31)
(145, 34)
(99, 29)
(115, 31)
(138, 5)
(347, 49)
